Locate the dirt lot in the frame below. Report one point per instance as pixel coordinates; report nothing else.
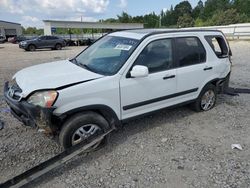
(174, 148)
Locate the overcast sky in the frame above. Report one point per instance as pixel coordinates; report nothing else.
(32, 12)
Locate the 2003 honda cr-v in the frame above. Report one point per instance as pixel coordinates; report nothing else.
(121, 76)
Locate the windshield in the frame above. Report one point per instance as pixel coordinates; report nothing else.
(107, 55)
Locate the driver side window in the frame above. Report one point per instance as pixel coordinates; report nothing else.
(157, 56)
(42, 38)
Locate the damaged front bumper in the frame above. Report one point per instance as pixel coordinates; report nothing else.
(29, 114)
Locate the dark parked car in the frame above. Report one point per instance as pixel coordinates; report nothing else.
(52, 42)
(2, 39)
(17, 39)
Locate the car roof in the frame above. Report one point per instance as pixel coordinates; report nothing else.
(141, 33)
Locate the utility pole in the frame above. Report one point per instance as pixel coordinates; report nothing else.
(160, 21)
(82, 29)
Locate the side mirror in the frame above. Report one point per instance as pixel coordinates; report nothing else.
(139, 71)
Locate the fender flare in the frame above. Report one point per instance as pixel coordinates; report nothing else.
(107, 112)
(220, 83)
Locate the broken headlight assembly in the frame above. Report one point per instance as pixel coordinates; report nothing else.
(43, 98)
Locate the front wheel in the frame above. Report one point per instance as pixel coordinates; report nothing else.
(31, 47)
(206, 100)
(82, 127)
(58, 47)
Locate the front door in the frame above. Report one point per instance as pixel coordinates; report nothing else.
(142, 95)
(41, 42)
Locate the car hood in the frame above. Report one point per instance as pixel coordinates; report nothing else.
(52, 76)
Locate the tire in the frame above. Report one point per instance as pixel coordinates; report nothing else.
(80, 124)
(206, 100)
(58, 46)
(32, 47)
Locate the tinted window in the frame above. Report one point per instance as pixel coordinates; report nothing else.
(218, 45)
(190, 51)
(54, 37)
(157, 56)
(42, 37)
(51, 37)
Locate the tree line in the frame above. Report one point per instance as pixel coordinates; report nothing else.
(212, 12)
(209, 13)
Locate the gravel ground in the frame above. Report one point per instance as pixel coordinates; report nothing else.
(174, 148)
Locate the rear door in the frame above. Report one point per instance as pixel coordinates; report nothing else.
(50, 41)
(192, 67)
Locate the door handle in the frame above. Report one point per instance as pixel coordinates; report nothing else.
(208, 68)
(168, 77)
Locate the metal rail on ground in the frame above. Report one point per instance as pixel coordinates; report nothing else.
(41, 169)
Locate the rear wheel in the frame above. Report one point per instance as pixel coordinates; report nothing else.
(82, 127)
(206, 100)
(32, 47)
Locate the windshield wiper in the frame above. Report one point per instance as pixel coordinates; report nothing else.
(85, 66)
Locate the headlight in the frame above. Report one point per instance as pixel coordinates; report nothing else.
(43, 98)
(23, 42)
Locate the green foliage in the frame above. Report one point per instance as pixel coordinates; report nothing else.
(138, 19)
(230, 16)
(242, 6)
(32, 31)
(168, 18)
(198, 11)
(185, 21)
(211, 12)
(124, 18)
(39, 32)
(151, 20)
(110, 20)
(182, 8)
(199, 22)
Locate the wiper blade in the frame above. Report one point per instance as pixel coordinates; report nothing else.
(85, 66)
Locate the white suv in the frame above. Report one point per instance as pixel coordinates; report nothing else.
(121, 76)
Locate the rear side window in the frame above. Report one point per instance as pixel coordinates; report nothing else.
(51, 37)
(54, 37)
(190, 51)
(218, 44)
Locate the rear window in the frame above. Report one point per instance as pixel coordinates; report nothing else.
(190, 51)
(218, 45)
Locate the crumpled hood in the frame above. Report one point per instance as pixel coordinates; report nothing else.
(51, 76)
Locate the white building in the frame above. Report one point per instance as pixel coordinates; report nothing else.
(49, 25)
(10, 29)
